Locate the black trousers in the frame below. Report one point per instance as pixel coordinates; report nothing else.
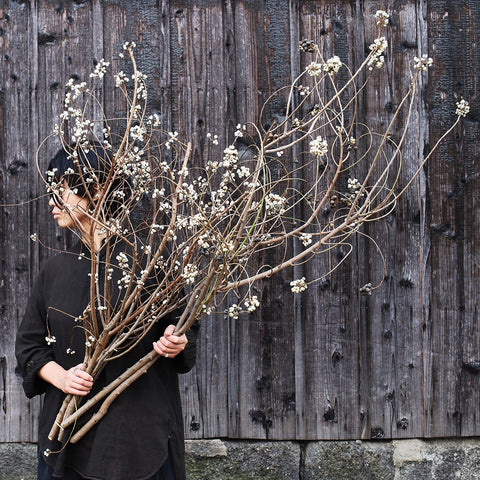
(44, 472)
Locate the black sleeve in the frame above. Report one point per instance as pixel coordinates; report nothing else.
(31, 348)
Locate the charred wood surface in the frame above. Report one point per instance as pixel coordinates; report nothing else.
(333, 363)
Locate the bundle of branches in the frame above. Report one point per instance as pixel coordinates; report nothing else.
(213, 220)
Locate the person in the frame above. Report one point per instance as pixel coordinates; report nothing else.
(141, 436)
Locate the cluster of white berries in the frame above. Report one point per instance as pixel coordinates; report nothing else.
(319, 146)
(230, 156)
(243, 172)
(213, 138)
(366, 289)
(306, 239)
(299, 285)
(304, 90)
(122, 260)
(354, 185)
(462, 108)
(189, 273)
(172, 138)
(120, 78)
(234, 311)
(314, 69)
(127, 46)
(240, 129)
(124, 281)
(423, 63)
(138, 132)
(333, 65)
(275, 204)
(100, 69)
(382, 18)
(252, 304)
(377, 59)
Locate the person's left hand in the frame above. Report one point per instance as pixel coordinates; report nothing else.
(170, 345)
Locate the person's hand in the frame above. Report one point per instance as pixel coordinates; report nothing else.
(77, 381)
(170, 345)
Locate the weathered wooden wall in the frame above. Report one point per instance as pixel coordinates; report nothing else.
(403, 362)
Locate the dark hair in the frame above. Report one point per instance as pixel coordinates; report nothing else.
(85, 171)
(81, 168)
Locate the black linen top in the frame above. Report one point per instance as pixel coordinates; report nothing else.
(142, 425)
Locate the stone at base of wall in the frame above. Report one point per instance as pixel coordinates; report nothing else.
(414, 459)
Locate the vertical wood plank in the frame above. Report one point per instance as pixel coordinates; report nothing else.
(329, 305)
(453, 221)
(395, 309)
(262, 343)
(16, 170)
(199, 74)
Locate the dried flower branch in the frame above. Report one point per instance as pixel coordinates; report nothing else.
(206, 224)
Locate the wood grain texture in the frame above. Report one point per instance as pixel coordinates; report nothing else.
(331, 363)
(453, 223)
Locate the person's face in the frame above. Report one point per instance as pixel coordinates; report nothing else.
(69, 209)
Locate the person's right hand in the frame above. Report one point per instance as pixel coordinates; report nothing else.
(77, 381)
